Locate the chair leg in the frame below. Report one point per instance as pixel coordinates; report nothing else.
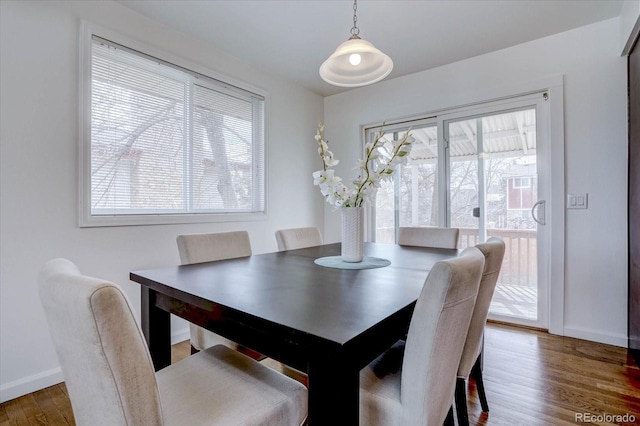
(461, 402)
(448, 421)
(476, 373)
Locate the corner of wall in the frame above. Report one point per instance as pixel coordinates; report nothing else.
(629, 25)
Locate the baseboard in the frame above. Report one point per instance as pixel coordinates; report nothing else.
(580, 333)
(29, 384)
(180, 336)
(511, 324)
(26, 385)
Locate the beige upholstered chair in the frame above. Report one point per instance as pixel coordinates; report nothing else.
(422, 391)
(110, 376)
(428, 237)
(296, 238)
(198, 248)
(471, 361)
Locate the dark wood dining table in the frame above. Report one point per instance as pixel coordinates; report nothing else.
(329, 323)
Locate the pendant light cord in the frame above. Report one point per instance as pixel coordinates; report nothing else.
(355, 31)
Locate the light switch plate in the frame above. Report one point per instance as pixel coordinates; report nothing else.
(577, 200)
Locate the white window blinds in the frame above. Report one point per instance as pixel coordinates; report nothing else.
(169, 141)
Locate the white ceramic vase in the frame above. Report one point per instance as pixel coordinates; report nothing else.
(352, 234)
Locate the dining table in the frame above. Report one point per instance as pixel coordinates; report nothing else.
(327, 322)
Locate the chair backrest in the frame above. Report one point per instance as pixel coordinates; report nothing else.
(493, 251)
(104, 357)
(428, 237)
(296, 238)
(198, 248)
(436, 337)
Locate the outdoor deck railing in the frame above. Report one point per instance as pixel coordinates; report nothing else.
(519, 267)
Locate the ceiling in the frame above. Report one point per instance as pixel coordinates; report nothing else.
(292, 38)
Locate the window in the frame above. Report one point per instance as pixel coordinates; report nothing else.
(166, 144)
(521, 182)
(522, 194)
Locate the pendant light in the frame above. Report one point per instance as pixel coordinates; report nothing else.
(356, 62)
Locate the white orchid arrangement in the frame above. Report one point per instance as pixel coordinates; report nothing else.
(380, 161)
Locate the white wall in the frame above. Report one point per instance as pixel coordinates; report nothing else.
(39, 169)
(595, 122)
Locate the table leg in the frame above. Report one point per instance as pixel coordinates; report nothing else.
(156, 327)
(334, 392)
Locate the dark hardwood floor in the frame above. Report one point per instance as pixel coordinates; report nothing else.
(531, 378)
(534, 378)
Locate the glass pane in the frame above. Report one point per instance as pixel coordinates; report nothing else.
(416, 184)
(463, 180)
(222, 162)
(511, 183)
(419, 181)
(137, 134)
(505, 154)
(385, 213)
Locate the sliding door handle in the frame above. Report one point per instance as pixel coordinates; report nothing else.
(540, 206)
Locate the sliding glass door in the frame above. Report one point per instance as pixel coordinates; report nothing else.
(480, 170)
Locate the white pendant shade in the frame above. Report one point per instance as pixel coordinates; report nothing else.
(354, 63)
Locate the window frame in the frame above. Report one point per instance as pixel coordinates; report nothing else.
(204, 77)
